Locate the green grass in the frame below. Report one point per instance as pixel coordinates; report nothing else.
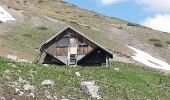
(131, 82)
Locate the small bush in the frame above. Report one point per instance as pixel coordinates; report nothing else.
(168, 42)
(62, 2)
(96, 15)
(88, 27)
(25, 1)
(0, 21)
(120, 27)
(154, 40)
(157, 44)
(132, 24)
(27, 35)
(73, 22)
(9, 7)
(42, 28)
(41, 1)
(16, 9)
(80, 15)
(57, 12)
(17, 1)
(68, 12)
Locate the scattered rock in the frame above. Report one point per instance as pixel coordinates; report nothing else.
(47, 83)
(46, 65)
(17, 90)
(49, 96)
(7, 72)
(116, 69)
(14, 66)
(22, 81)
(7, 77)
(21, 94)
(32, 95)
(90, 88)
(55, 97)
(12, 57)
(2, 98)
(19, 71)
(64, 98)
(23, 60)
(32, 71)
(15, 84)
(77, 74)
(17, 59)
(28, 87)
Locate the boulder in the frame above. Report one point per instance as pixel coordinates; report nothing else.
(77, 74)
(46, 65)
(28, 87)
(47, 83)
(90, 88)
(116, 69)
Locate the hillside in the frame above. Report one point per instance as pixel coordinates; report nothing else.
(38, 20)
(121, 81)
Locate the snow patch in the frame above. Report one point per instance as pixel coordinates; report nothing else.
(5, 16)
(148, 60)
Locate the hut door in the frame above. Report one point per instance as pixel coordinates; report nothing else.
(72, 52)
(72, 42)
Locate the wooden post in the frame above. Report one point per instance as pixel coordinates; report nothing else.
(107, 60)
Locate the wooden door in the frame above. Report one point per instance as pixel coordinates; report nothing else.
(73, 42)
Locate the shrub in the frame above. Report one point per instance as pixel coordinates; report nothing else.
(25, 1)
(154, 40)
(88, 27)
(27, 35)
(132, 24)
(157, 44)
(57, 12)
(68, 12)
(0, 21)
(40, 1)
(96, 15)
(120, 27)
(16, 9)
(168, 42)
(80, 15)
(73, 22)
(42, 28)
(17, 1)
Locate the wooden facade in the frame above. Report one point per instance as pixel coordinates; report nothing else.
(70, 47)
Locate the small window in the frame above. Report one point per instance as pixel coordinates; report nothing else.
(63, 42)
(80, 40)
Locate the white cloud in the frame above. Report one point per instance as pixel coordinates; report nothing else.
(156, 5)
(109, 2)
(159, 22)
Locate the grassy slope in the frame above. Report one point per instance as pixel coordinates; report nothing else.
(131, 82)
(23, 36)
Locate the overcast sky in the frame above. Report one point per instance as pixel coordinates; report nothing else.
(151, 13)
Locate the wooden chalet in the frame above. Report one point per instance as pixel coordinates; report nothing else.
(71, 47)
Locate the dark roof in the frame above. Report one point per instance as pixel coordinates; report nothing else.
(69, 27)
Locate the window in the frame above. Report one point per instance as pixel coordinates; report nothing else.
(80, 40)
